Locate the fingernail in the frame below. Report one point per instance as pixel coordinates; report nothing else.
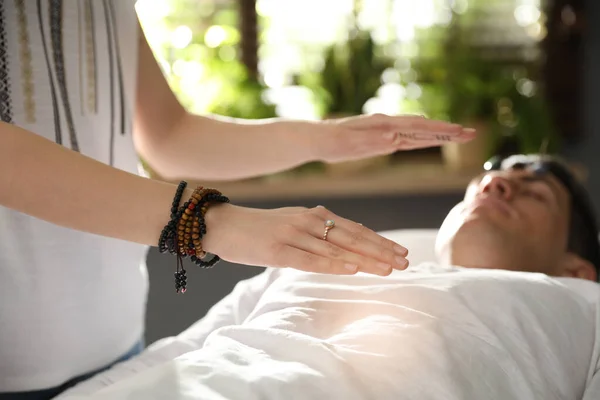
(389, 135)
(351, 267)
(402, 262)
(383, 266)
(469, 130)
(403, 251)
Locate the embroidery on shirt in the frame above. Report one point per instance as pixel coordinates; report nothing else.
(90, 57)
(26, 66)
(6, 114)
(57, 125)
(111, 78)
(56, 35)
(80, 59)
(119, 67)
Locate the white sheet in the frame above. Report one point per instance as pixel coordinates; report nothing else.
(427, 333)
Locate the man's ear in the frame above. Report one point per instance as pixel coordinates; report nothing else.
(573, 266)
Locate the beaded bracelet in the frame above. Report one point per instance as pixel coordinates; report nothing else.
(182, 236)
(175, 206)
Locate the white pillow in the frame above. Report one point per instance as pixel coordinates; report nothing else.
(419, 242)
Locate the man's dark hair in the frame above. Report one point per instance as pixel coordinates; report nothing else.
(583, 228)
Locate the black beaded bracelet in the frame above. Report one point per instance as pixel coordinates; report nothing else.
(171, 225)
(169, 242)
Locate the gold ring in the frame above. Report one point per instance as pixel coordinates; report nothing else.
(329, 224)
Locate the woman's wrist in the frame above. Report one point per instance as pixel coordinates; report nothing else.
(280, 144)
(300, 139)
(309, 138)
(217, 216)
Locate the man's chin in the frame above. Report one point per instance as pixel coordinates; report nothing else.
(468, 226)
(484, 216)
(480, 208)
(476, 227)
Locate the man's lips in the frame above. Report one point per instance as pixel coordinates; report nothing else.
(492, 202)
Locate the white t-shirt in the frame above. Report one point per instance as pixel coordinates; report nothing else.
(430, 332)
(70, 302)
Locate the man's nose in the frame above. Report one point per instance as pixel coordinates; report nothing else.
(497, 185)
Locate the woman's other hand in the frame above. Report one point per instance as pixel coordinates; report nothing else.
(293, 237)
(365, 136)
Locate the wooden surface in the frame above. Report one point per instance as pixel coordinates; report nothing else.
(410, 176)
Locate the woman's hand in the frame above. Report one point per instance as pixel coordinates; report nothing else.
(364, 136)
(293, 237)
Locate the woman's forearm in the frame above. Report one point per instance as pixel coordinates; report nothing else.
(218, 148)
(52, 183)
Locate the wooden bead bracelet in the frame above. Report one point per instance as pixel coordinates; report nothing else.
(182, 236)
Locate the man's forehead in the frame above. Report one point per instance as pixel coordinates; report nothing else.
(528, 164)
(519, 160)
(527, 168)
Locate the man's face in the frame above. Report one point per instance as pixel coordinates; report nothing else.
(513, 219)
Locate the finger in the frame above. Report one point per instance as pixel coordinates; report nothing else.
(431, 129)
(407, 141)
(324, 248)
(357, 230)
(355, 242)
(402, 122)
(365, 142)
(427, 124)
(423, 145)
(292, 257)
(465, 134)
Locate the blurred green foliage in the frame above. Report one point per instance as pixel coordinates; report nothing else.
(351, 75)
(464, 84)
(243, 98)
(224, 86)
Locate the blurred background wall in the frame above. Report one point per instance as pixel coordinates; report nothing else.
(523, 72)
